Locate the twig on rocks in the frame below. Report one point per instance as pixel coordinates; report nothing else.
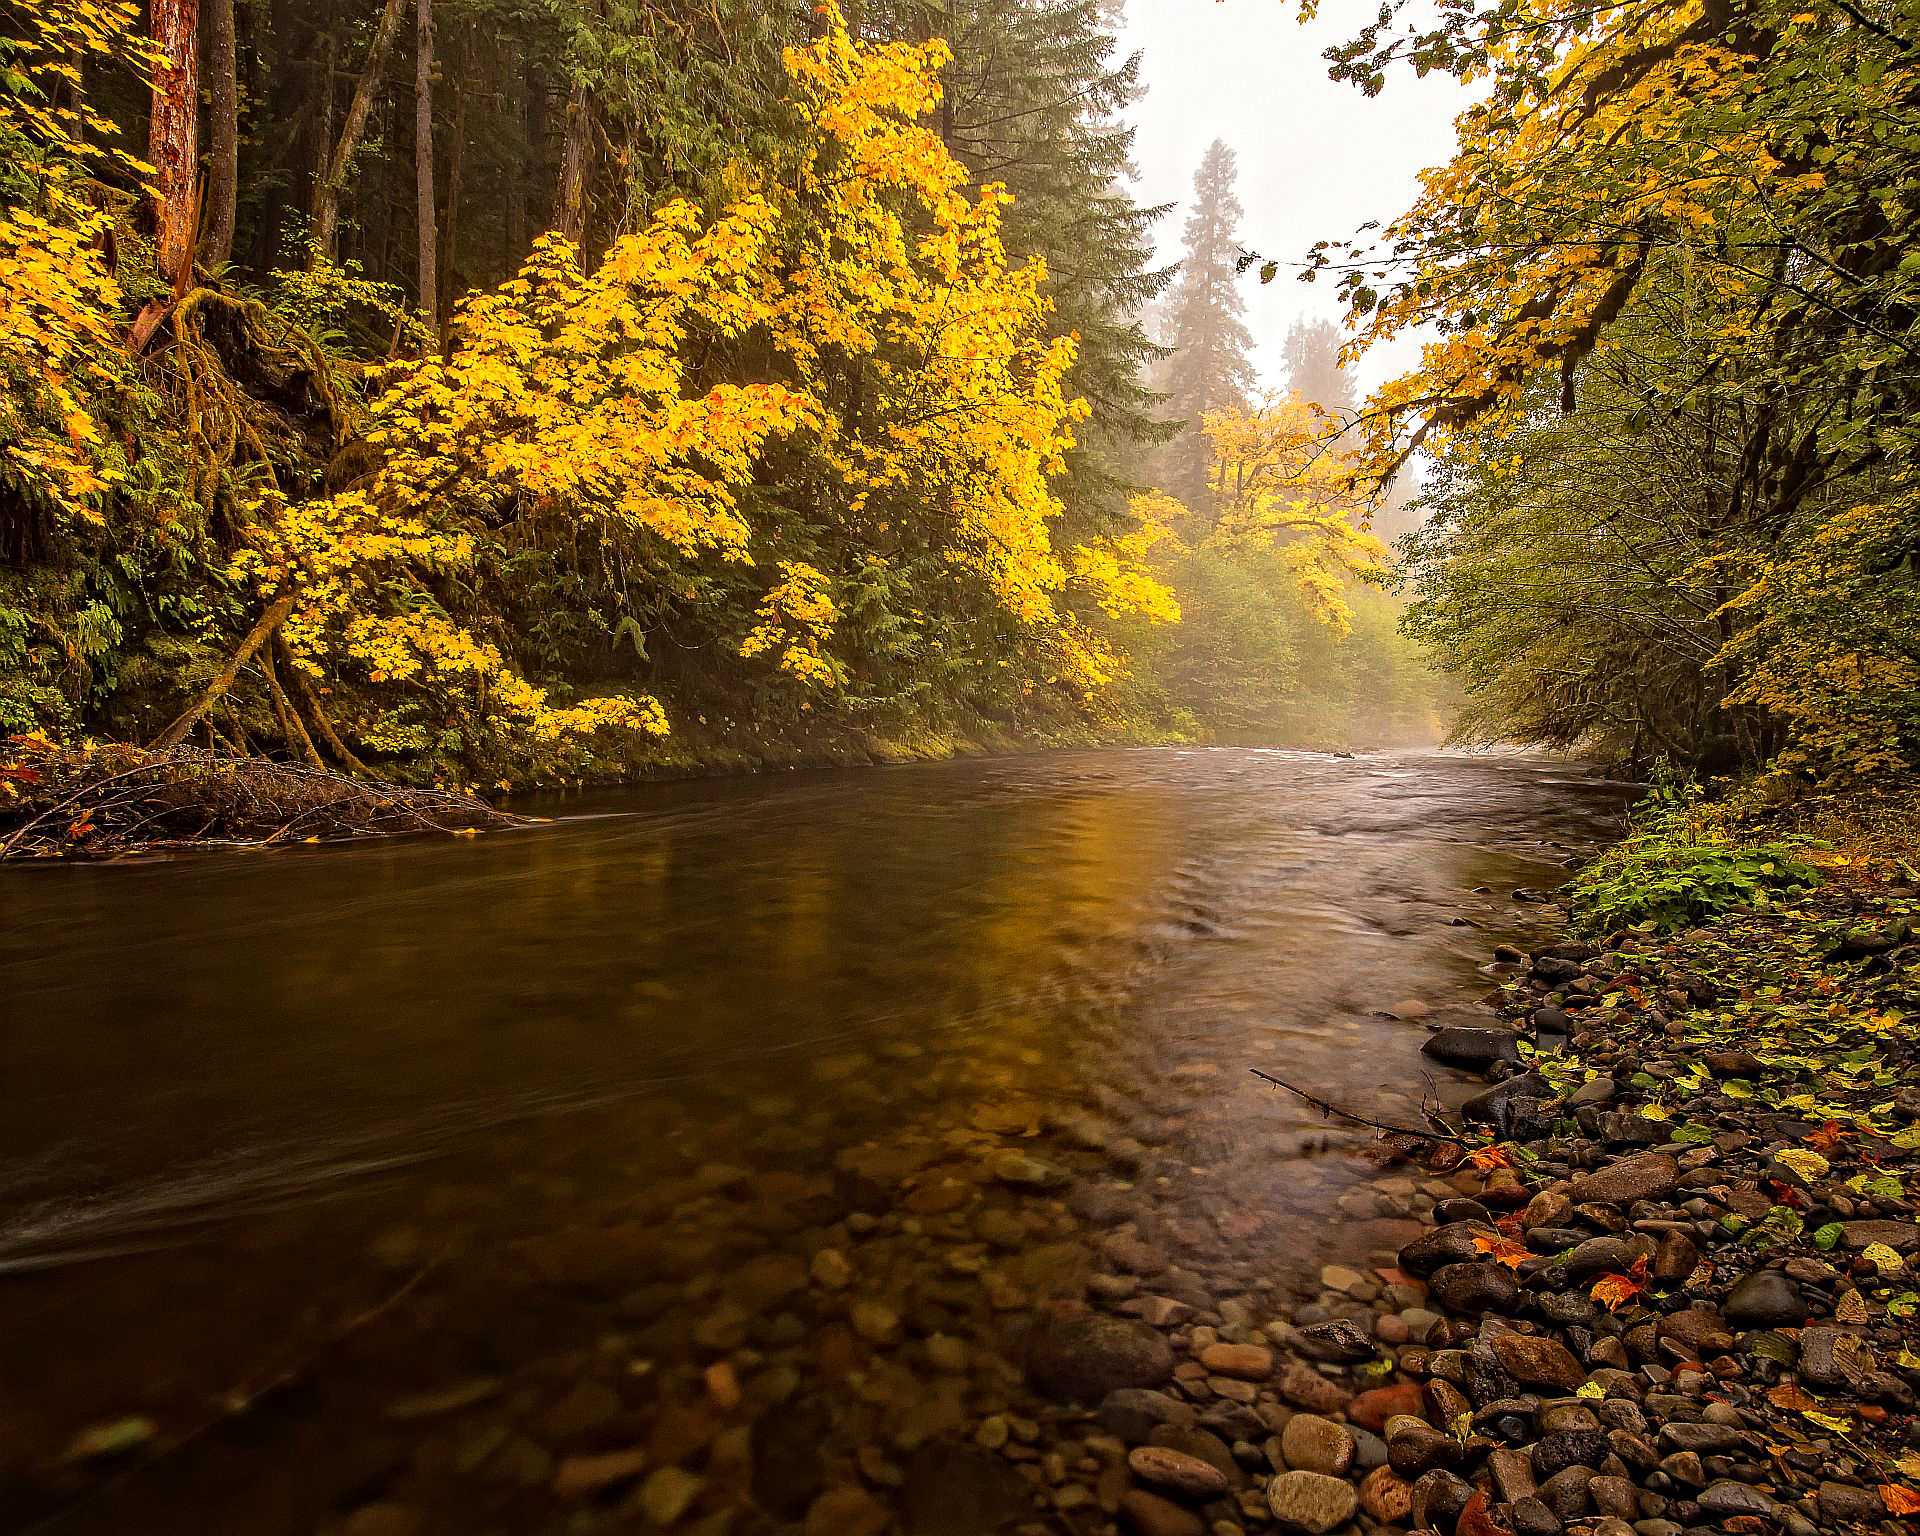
(1346, 1114)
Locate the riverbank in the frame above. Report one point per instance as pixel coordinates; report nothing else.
(1687, 1296)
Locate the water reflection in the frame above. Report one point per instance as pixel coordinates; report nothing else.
(519, 1096)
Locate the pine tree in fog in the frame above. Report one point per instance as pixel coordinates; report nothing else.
(1313, 365)
(1209, 369)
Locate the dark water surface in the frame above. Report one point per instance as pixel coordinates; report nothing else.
(584, 1103)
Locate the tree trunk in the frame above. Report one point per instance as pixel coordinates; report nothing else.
(274, 616)
(448, 269)
(173, 143)
(534, 167)
(576, 154)
(326, 197)
(426, 227)
(223, 136)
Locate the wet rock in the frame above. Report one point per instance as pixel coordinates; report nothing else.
(1553, 1454)
(1024, 1172)
(1497, 1106)
(954, 1489)
(1765, 1299)
(1312, 1501)
(589, 1406)
(668, 1493)
(786, 1462)
(1438, 1498)
(1623, 1128)
(1512, 1474)
(1248, 1361)
(1841, 1504)
(1598, 1256)
(1645, 1176)
(1176, 1473)
(1085, 1357)
(1615, 1497)
(581, 1475)
(1539, 1361)
(1724, 1500)
(1533, 1516)
(874, 1321)
(1313, 1444)
(1461, 1045)
(1565, 1493)
(1147, 1514)
(1372, 1408)
(1414, 1447)
(1337, 1341)
(1306, 1388)
(1386, 1496)
(1200, 1445)
(1830, 1358)
(1473, 1289)
(1131, 1414)
(1450, 1244)
(1704, 1439)
(1676, 1256)
(1135, 1255)
(847, 1512)
(830, 1270)
(1724, 1064)
(1902, 1237)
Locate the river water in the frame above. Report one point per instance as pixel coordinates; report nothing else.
(450, 1159)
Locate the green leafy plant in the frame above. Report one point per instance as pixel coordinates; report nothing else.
(1678, 869)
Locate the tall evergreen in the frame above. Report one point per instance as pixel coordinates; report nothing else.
(1033, 99)
(1209, 368)
(1313, 365)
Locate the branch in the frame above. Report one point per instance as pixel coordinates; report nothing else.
(1325, 1108)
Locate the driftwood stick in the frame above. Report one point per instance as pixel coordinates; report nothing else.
(1346, 1114)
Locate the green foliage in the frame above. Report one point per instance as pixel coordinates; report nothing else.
(1678, 871)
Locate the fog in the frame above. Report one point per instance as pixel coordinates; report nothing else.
(1317, 158)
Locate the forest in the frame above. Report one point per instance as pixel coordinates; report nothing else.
(523, 389)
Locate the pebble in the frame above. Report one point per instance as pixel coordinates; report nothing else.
(1765, 1299)
(668, 1493)
(1147, 1514)
(1175, 1472)
(1312, 1501)
(1249, 1361)
(1310, 1443)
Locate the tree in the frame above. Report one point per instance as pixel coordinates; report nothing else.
(1759, 158)
(332, 182)
(173, 144)
(1314, 374)
(223, 136)
(1208, 370)
(426, 225)
(1034, 98)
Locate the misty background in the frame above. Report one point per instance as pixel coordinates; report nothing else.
(1317, 159)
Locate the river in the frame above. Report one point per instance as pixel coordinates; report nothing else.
(451, 1159)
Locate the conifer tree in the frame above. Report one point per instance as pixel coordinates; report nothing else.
(1313, 366)
(1209, 369)
(1033, 99)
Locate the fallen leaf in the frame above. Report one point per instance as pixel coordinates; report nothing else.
(1899, 1501)
(1511, 1254)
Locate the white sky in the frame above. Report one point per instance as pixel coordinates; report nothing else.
(1316, 158)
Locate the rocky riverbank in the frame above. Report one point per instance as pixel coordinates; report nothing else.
(1670, 1291)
